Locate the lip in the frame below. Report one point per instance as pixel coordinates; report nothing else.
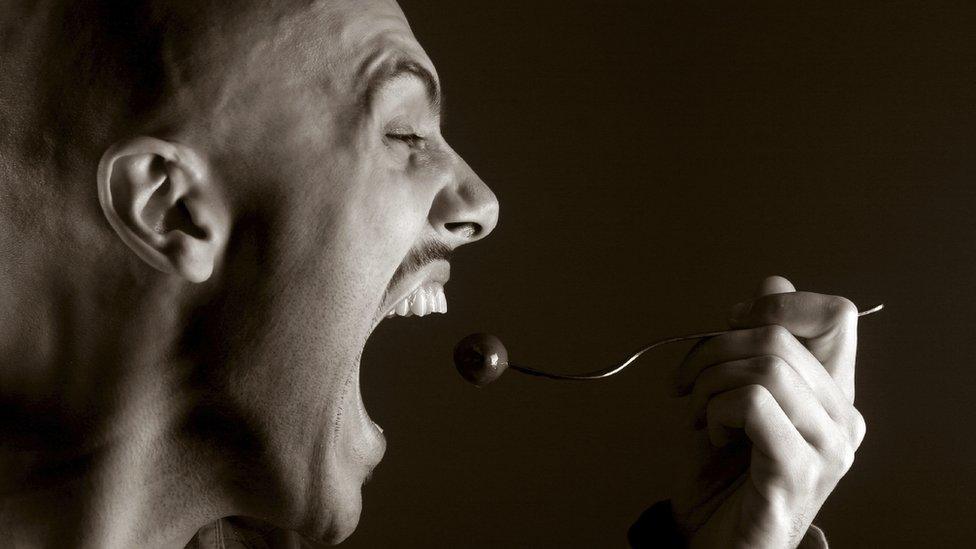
(438, 271)
(377, 446)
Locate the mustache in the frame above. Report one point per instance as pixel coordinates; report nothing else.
(420, 257)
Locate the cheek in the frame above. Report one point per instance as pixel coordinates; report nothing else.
(432, 170)
(375, 219)
(397, 208)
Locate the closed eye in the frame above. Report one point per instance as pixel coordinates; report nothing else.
(411, 139)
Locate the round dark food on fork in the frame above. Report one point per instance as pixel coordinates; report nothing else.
(480, 358)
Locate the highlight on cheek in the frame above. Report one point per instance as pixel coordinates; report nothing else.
(271, 199)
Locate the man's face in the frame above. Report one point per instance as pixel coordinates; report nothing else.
(347, 199)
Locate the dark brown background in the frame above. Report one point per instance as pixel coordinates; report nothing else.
(654, 161)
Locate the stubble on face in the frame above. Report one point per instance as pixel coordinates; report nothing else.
(418, 258)
(315, 270)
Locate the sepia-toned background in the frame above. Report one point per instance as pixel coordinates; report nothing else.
(654, 160)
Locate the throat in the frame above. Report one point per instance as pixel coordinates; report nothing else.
(125, 478)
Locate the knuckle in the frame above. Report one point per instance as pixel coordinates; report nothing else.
(774, 368)
(803, 474)
(859, 427)
(773, 336)
(847, 458)
(844, 312)
(839, 453)
(755, 396)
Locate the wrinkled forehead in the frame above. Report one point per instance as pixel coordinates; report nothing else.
(315, 57)
(358, 35)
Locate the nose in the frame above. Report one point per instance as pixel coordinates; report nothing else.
(465, 209)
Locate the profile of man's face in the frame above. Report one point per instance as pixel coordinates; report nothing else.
(345, 201)
(206, 209)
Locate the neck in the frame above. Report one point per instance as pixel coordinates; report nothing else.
(96, 448)
(141, 488)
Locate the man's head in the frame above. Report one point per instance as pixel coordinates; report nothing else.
(225, 202)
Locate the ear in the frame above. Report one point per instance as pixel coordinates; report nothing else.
(161, 201)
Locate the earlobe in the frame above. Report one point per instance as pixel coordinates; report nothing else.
(162, 202)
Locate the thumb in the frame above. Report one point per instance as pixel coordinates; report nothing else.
(774, 285)
(770, 285)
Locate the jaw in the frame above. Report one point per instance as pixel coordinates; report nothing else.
(322, 466)
(347, 453)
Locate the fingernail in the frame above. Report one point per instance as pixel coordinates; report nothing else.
(740, 310)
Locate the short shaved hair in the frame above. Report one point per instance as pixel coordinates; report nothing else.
(78, 75)
(75, 71)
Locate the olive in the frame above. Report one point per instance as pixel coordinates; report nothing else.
(480, 358)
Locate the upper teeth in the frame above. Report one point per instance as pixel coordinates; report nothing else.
(428, 298)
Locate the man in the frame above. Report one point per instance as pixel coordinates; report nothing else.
(206, 210)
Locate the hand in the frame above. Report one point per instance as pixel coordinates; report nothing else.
(776, 428)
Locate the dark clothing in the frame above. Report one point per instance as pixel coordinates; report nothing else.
(656, 528)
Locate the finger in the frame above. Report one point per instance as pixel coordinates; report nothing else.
(774, 285)
(753, 409)
(806, 314)
(790, 391)
(827, 323)
(765, 341)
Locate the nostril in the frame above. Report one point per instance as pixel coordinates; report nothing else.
(465, 229)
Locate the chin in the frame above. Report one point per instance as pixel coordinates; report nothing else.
(327, 491)
(321, 497)
(333, 514)
(337, 526)
(355, 445)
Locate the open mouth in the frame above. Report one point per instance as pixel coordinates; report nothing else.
(427, 298)
(419, 293)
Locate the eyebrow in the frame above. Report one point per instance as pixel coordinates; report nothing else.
(390, 71)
